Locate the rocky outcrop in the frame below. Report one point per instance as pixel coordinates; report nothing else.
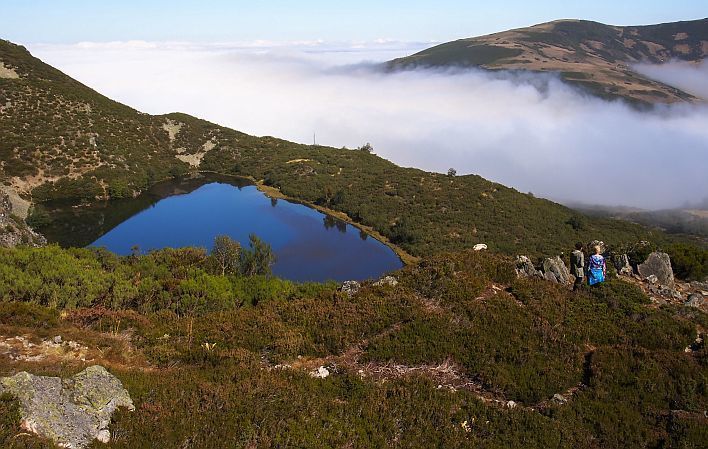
(351, 288)
(386, 280)
(71, 412)
(622, 265)
(320, 373)
(13, 229)
(659, 265)
(554, 270)
(697, 300)
(525, 268)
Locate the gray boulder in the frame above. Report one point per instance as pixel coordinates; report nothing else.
(621, 263)
(5, 205)
(554, 270)
(72, 412)
(351, 288)
(697, 301)
(524, 268)
(387, 280)
(659, 265)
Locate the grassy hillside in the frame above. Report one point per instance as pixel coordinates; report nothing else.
(62, 140)
(590, 55)
(431, 362)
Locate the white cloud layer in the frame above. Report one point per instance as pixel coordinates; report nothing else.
(691, 78)
(529, 132)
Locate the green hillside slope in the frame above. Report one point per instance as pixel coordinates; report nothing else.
(62, 140)
(459, 354)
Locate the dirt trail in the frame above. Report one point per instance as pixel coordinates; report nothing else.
(448, 374)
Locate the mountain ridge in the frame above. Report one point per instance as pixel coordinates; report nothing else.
(593, 56)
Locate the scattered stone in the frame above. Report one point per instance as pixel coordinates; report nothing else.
(320, 373)
(72, 412)
(697, 301)
(659, 301)
(555, 271)
(387, 280)
(696, 285)
(20, 348)
(479, 247)
(351, 288)
(559, 399)
(659, 265)
(621, 263)
(696, 345)
(511, 404)
(524, 268)
(652, 279)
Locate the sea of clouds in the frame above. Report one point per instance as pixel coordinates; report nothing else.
(531, 132)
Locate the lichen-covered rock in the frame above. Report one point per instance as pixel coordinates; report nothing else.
(555, 271)
(387, 280)
(351, 288)
(320, 373)
(524, 268)
(659, 265)
(697, 301)
(13, 229)
(72, 412)
(621, 263)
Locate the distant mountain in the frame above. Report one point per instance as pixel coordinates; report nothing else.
(591, 55)
(692, 221)
(63, 141)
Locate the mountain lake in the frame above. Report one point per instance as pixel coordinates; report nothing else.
(309, 245)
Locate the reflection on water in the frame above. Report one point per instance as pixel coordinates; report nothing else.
(310, 246)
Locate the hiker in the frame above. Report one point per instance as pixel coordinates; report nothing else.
(577, 265)
(597, 269)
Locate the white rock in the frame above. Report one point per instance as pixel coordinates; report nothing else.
(104, 436)
(479, 247)
(387, 280)
(320, 373)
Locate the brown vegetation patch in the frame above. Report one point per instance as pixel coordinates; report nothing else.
(682, 48)
(7, 72)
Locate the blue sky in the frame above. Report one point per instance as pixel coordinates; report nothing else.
(66, 21)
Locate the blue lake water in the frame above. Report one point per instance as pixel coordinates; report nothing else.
(310, 246)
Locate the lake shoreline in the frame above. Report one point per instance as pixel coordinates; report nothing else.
(275, 193)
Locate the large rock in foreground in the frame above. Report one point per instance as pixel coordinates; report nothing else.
(555, 270)
(525, 268)
(71, 412)
(659, 265)
(13, 229)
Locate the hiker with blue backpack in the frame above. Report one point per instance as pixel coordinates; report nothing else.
(597, 268)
